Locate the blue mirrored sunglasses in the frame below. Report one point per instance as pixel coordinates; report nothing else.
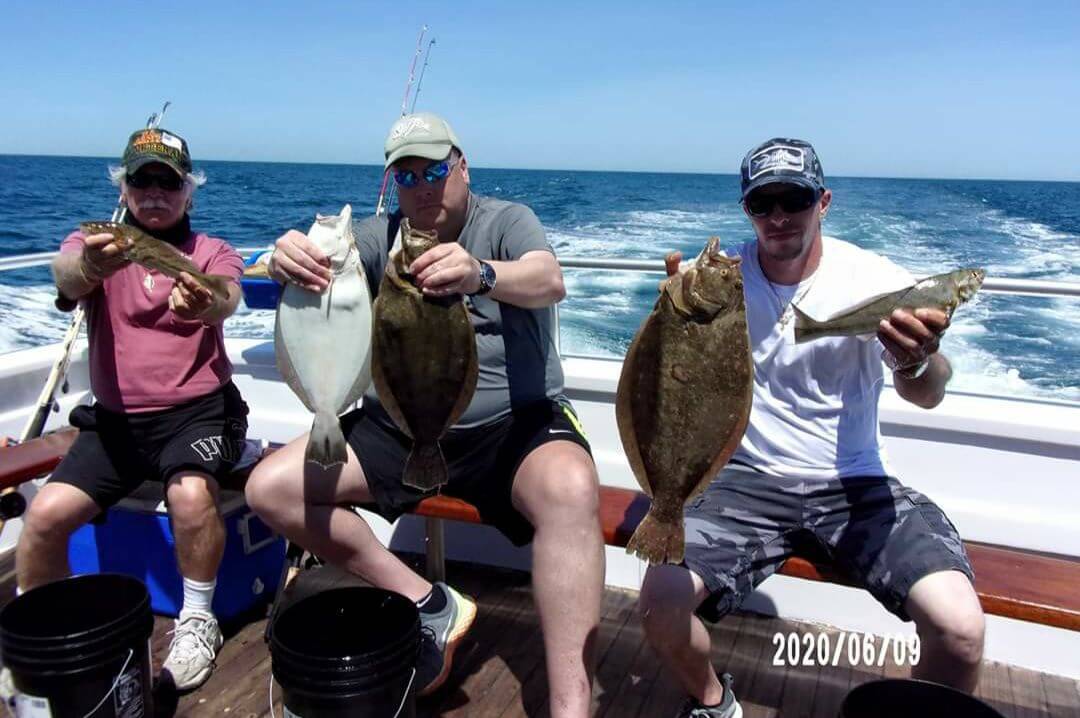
(433, 174)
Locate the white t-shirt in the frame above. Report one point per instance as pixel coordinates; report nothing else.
(815, 412)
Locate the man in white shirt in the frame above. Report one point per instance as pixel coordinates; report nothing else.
(810, 468)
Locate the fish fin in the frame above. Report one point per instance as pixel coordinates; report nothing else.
(658, 541)
(217, 283)
(806, 327)
(284, 361)
(425, 469)
(326, 444)
(624, 412)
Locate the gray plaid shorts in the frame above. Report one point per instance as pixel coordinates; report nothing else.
(880, 533)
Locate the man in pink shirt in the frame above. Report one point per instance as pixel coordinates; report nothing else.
(166, 407)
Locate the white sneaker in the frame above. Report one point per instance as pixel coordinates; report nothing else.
(7, 689)
(195, 643)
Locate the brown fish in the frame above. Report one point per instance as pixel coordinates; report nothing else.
(423, 360)
(150, 252)
(684, 395)
(942, 291)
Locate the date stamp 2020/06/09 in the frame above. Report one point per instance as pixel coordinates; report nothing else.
(857, 649)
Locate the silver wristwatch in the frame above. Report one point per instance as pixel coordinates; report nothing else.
(910, 371)
(487, 278)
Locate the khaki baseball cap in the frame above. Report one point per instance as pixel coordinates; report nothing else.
(422, 134)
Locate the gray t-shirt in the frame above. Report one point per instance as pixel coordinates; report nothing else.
(518, 359)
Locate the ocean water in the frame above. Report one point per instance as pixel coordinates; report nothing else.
(999, 344)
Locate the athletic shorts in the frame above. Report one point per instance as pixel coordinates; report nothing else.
(114, 453)
(482, 461)
(874, 529)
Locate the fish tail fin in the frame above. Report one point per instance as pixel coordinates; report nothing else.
(658, 541)
(218, 284)
(425, 469)
(806, 327)
(326, 444)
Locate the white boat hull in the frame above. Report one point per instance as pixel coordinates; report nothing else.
(1006, 471)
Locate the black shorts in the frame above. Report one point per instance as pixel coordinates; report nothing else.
(876, 530)
(482, 461)
(114, 452)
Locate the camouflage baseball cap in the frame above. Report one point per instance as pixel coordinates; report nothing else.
(422, 134)
(155, 145)
(782, 160)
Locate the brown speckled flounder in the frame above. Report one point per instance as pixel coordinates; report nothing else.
(424, 362)
(684, 395)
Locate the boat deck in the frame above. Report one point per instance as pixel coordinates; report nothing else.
(499, 672)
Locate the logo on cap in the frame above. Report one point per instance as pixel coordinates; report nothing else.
(777, 158)
(409, 126)
(146, 137)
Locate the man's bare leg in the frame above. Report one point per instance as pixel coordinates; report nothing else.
(556, 488)
(669, 597)
(55, 513)
(951, 628)
(197, 524)
(306, 503)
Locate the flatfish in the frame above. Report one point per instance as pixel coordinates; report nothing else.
(424, 362)
(942, 291)
(684, 395)
(152, 253)
(322, 340)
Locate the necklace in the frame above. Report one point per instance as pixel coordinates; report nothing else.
(786, 312)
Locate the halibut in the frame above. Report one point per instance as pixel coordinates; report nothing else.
(424, 362)
(322, 340)
(684, 395)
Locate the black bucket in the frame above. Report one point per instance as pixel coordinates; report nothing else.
(903, 698)
(80, 647)
(348, 652)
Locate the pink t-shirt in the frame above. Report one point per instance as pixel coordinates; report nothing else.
(142, 356)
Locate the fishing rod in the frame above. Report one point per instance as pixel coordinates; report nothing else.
(384, 196)
(423, 69)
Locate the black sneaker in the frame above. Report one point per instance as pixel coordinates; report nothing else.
(440, 634)
(729, 707)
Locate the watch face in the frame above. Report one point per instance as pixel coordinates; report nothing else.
(487, 276)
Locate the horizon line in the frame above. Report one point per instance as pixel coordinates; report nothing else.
(563, 169)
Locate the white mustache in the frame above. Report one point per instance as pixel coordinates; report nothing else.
(154, 204)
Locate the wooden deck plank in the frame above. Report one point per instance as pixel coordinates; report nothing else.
(1062, 696)
(994, 685)
(485, 662)
(499, 670)
(1029, 698)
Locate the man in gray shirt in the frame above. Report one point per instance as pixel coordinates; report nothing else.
(518, 453)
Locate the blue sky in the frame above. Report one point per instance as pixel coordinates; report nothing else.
(920, 89)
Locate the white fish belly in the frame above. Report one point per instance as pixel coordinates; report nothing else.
(326, 339)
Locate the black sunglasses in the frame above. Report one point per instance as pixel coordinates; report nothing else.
(793, 201)
(144, 180)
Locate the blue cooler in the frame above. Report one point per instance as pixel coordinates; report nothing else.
(259, 292)
(136, 539)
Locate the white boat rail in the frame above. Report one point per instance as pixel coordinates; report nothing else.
(993, 285)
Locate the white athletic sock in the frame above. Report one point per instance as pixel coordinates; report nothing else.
(198, 595)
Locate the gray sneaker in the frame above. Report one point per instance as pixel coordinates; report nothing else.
(729, 707)
(195, 643)
(439, 636)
